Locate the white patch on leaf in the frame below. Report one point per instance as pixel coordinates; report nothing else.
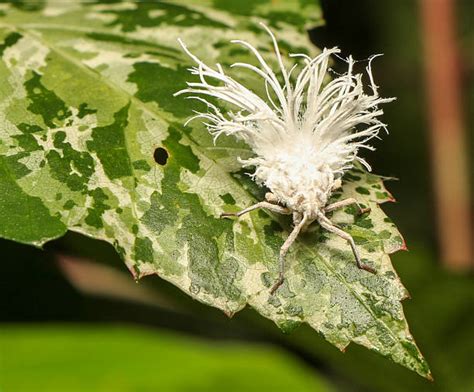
(25, 56)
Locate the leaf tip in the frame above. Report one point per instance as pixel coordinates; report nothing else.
(229, 313)
(404, 245)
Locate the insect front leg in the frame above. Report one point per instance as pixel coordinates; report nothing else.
(284, 250)
(328, 225)
(263, 204)
(344, 203)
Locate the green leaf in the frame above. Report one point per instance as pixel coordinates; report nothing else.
(87, 107)
(93, 359)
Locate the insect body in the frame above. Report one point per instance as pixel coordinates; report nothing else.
(305, 134)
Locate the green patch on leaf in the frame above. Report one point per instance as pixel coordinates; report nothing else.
(24, 218)
(158, 84)
(110, 145)
(45, 103)
(9, 40)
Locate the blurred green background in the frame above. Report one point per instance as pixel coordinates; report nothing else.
(72, 319)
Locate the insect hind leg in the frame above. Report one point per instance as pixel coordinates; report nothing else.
(329, 226)
(284, 250)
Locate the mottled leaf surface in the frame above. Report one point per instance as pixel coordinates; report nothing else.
(86, 109)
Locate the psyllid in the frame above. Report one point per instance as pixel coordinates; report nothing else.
(305, 134)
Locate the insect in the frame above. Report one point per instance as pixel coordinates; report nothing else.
(305, 134)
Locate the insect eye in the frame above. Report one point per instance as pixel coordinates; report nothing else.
(160, 155)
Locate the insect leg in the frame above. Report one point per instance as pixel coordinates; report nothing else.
(343, 203)
(263, 204)
(327, 224)
(284, 250)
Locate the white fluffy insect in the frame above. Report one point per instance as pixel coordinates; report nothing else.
(305, 134)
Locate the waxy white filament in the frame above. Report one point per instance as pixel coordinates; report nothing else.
(305, 134)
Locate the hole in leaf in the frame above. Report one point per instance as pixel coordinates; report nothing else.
(160, 156)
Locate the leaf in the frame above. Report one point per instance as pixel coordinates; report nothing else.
(59, 358)
(93, 141)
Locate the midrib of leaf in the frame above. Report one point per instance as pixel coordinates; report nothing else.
(81, 29)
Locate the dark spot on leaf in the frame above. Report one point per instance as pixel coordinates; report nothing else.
(160, 156)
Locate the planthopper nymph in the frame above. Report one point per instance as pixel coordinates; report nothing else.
(305, 134)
